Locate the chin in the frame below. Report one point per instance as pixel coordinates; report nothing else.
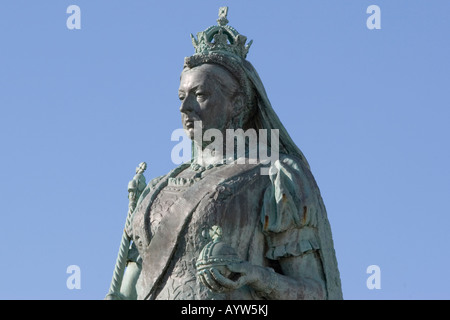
(189, 132)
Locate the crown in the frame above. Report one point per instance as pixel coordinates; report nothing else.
(221, 38)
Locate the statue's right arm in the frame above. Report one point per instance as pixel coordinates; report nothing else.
(134, 261)
(131, 275)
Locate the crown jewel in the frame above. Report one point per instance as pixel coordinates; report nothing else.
(221, 38)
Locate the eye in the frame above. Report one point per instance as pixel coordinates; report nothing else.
(181, 97)
(201, 96)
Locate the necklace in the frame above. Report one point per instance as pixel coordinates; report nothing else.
(199, 168)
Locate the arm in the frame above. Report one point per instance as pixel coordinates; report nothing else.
(130, 277)
(128, 288)
(300, 278)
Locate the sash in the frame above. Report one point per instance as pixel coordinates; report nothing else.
(162, 246)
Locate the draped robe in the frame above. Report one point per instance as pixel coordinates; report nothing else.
(265, 218)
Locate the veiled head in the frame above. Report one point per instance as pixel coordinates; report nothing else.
(211, 94)
(222, 48)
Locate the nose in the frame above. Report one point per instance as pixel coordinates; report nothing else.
(186, 105)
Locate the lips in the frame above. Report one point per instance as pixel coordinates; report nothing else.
(189, 124)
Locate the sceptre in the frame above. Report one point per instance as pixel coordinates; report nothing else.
(135, 188)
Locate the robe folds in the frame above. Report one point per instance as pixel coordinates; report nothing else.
(265, 218)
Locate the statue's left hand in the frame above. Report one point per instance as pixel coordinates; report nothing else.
(230, 277)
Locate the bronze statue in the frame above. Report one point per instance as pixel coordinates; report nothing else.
(221, 228)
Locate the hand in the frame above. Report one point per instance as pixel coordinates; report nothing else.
(230, 277)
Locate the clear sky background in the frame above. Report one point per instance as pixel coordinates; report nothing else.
(80, 109)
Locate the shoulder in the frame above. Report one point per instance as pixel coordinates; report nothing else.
(292, 198)
(291, 209)
(143, 201)
(289, 165)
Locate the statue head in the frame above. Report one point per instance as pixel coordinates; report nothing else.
(233, 95)
(225, 100)
(211, 94)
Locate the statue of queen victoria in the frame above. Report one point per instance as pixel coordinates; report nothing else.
(227, 224)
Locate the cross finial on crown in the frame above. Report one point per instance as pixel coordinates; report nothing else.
(223, 11)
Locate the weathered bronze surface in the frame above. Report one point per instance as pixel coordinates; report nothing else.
(216, 229)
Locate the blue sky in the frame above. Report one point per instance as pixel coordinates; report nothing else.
(80, 109)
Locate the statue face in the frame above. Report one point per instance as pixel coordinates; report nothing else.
(205, 96)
